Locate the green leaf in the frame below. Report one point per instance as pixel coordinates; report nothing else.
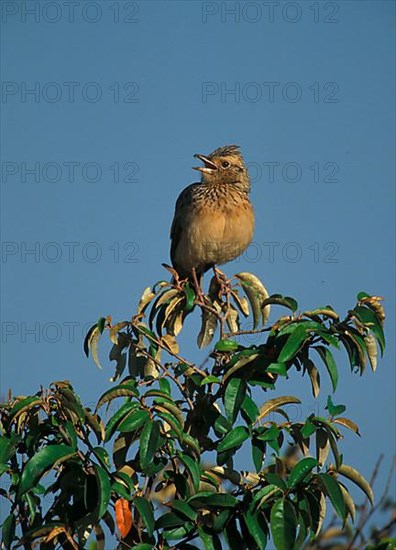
(226, 345)
(8, 531)
(233, 397)
(334, 409)
(277, 368)
(149, 442)
(198, 498)
(315, 504)
(41, 462)
(190, 443)
(221, 519)
(102, 455)
(304, 523)
(172, 421)
(122, 390)
(328, 360)
(370, 319)
(221, 425)
(101, 324)
(179, 533)
(165, 386)
(169, 521)
(309, 326)
(270, 433)
(193, 468)
(221, 500)
(232, 535)
(104, 490)
(210, 380)
(210, 540)
(240, 361)
(215, 500)
(308, 429)
(23, 405)
(8, 446)
(333, 491)
(258, 452)
(190, 298)
(145, 509)
(126, 479)
(329, 338)
(185, 509)
(254, 522)
(274, 479)
(283, 523)
(117, 417)
(233, 439)
(121, 490)
(249, 410)
(133, 421)
(264, 494)
(293, 343)
(301, 470)
(278, 299)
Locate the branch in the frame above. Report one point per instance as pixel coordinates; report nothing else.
(242, 332)
(166, 348)
(366, 515)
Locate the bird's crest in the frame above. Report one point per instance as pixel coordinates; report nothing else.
(226, 151)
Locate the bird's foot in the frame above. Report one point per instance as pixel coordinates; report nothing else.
(222, 281)
(198, 289)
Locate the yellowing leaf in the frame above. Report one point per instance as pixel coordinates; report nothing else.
(167, 296)
(232, 319)
(91, 344)
(347, 423)
(256, 294)
(115, 330)
(241, 302)
(357, 478)
(372, 350)
(151, 367)
(145, 299)
(350, 505)
(322, 513)
(314, 377)
(169, 342)
(208, 325)
(273, 404)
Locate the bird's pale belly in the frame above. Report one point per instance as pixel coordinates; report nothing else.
(211, 238)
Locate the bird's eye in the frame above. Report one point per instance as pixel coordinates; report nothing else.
(225, 164)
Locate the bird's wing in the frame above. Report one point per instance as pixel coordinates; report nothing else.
(182, 204)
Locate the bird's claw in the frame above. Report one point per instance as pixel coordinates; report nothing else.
(222, 281)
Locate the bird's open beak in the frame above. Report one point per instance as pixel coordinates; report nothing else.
(209, 165)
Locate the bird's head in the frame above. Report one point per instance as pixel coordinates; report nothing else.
(224, 166)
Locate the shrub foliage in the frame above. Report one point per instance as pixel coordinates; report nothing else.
(156, 462)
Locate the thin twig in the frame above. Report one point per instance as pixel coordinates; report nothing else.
(166, 348)
(242, 332)
(171, 376)
(365, 514)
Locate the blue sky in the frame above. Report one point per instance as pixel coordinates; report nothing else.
(124, 93)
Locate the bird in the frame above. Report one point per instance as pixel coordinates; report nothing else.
(214, 219)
